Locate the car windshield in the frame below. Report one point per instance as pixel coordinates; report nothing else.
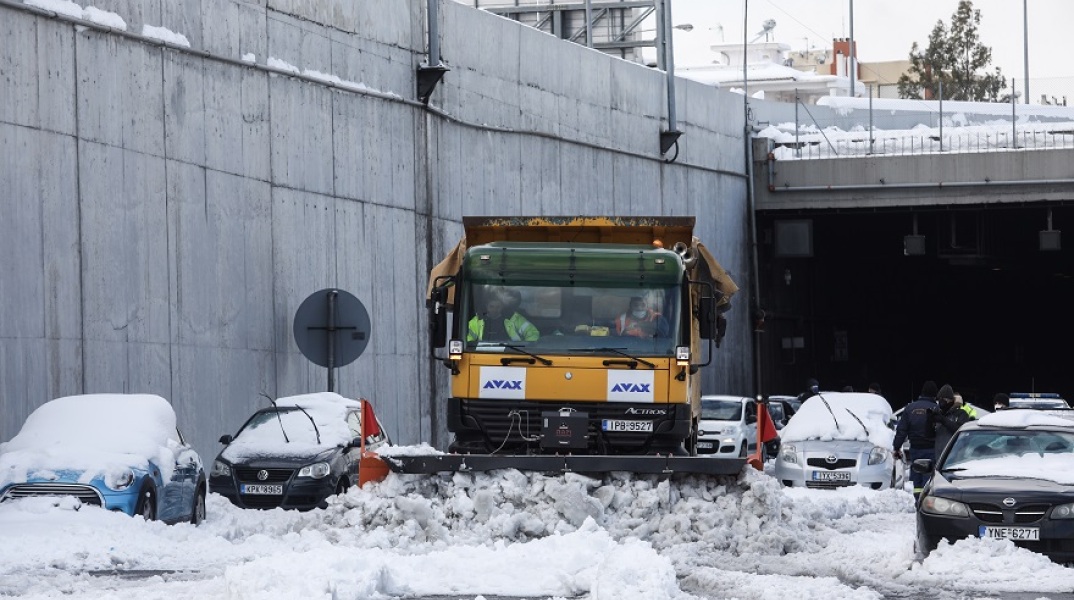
(290, 426)
(1039, 454)
(721, 410)
(553, 317)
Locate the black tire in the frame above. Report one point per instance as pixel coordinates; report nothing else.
(197, 512)
(147, 504)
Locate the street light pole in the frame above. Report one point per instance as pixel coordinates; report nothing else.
(853, 67)
(1025, 50)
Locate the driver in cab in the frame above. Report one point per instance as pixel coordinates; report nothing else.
(493, 325)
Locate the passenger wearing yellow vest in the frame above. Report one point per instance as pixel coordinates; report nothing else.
(492, 325)
(949, 414)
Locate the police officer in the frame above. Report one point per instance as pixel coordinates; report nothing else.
(950, 414)
(917, 425)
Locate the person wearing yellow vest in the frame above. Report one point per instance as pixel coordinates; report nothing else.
(492, 325)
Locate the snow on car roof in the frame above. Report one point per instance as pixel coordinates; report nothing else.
(814, 421)
(1025, 417)
(292, 433)
(92, 432)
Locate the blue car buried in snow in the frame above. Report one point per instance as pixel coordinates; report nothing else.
(121, 452)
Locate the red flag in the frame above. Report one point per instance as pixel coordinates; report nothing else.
(766, 427)
(370, 426)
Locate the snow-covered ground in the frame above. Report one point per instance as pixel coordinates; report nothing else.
(518, 535)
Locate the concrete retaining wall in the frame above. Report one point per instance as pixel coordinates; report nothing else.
(167, 209)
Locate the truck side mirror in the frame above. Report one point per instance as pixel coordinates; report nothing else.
(706, 317)
(437, 317)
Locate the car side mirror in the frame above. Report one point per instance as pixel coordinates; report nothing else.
(226, 439)
(922, 466)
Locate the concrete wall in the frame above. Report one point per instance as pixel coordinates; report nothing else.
(166, 210)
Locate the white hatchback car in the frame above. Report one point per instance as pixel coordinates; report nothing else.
(838, 439)
(728, 426)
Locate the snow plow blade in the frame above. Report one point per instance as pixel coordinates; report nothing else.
(439, 463)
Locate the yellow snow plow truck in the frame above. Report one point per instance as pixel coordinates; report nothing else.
(575, 344)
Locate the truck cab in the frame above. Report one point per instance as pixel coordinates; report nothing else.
(575, 335)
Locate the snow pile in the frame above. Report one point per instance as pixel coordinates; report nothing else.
(165, 35)
(842, 416)
(90, 13)
(997, 135)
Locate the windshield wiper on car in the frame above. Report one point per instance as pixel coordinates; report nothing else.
(315, 429)
(952, 469)
(830, 411)
(506, 361)
(620, 352)
(284, 431)
(867, 432)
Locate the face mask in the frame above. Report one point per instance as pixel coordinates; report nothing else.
(639, 314)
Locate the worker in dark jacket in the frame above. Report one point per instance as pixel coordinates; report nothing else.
(916, 424)
(950, 414)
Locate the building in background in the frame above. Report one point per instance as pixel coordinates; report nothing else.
(619, 27)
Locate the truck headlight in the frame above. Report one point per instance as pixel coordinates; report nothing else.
(935, 505)
(877, 455)
(788, 455)
(1063, 511)
(316, 470)
(220, 469)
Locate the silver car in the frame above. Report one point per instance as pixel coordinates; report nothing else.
(728, 426)
(838, 439)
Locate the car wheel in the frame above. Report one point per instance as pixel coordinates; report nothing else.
(197, 515)
(147, 504)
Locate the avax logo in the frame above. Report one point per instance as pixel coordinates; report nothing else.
(637, 388)
(501, 384)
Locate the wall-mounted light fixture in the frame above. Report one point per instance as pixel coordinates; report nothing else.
(1050, 239)
(913, 244)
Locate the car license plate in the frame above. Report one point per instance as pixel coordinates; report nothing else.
(705, 445)
(623, 425)
(1010, 533)
(269, 490)
(831, 476)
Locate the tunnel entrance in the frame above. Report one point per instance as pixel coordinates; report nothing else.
(971, 300)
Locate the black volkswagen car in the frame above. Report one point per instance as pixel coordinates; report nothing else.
(1009, 476)
(296, 453)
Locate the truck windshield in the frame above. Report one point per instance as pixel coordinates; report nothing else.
(553, 318)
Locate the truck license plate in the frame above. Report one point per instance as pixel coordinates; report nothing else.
(263, 490)
(1010, 533)
(626, 425)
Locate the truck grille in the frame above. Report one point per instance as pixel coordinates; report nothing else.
(85, 493)
(495, 418)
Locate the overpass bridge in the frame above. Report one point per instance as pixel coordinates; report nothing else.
(908, 266)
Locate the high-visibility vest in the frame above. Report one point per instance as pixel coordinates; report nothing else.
(625, 320)
(517, 327)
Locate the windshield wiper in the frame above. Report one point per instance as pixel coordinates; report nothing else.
(617, 351)
(284, 431)
(505, 361)
(837, 428)
(315, 429)
(867, 432)
(952, 469)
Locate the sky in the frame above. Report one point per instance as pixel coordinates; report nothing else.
(886, 30)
